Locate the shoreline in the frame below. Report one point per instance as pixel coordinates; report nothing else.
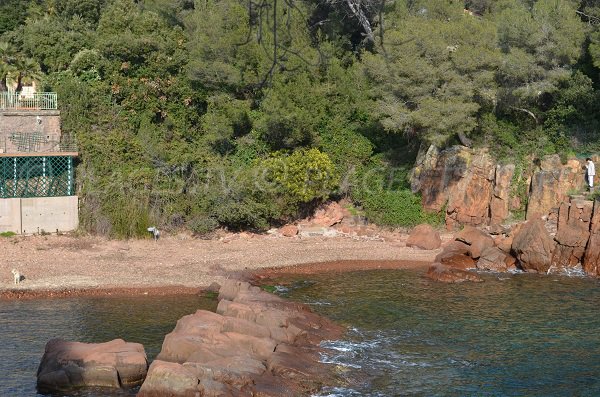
(66, 266)
(255, 276)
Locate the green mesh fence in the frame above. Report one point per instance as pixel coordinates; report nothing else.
(36, 176)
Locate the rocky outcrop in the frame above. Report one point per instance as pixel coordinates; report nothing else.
(255, 344)
(573, 233)
(532, 246)
(456, 254)
(69, 365)
(500, 204)
(551, 184)
(591, 258)
(476, 239)
(474, 190)
(496, 260)
(328, 215)
(447, 274)
(425, 237)
(459, 178)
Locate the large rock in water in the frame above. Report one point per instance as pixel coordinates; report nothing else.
(257, 344)
(573, 233)
(68, 365)
(533, 246)
(591, 259)
(425, 237)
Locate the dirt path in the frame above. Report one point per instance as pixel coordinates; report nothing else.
(63, 265)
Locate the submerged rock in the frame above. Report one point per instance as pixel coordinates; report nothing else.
(68, 365)
(447, 274)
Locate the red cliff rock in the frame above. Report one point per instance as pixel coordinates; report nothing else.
(551, 183)
(573, 233)
(591, 261)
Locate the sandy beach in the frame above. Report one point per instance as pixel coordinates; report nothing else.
(75, 265)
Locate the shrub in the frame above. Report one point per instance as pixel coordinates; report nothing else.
(303, 176)
(203, 225)
(396, 208)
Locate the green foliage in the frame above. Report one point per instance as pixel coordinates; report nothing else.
(303, 176)
(222, 113)
(8, 234)
(203, 225)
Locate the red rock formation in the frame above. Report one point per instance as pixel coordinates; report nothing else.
(68, 365)
(425, 237)
(328, 215)
(500, 202)
(256, 344)
(456, 255)
(573, 233)
(478, 192)
(494, 259)
(533, 246)
(447, 274)
(476, 239)
(551, 183)
(591, 259)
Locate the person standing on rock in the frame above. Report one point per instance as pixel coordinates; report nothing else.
(591, 171)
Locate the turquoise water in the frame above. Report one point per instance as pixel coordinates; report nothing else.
(28, 325)
(509, 336)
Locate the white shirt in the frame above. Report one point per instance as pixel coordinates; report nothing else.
(591, 169)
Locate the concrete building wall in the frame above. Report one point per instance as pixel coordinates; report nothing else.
(39, 214)
(44, 122)
(10, 215)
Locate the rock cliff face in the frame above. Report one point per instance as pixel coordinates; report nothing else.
(473, 190)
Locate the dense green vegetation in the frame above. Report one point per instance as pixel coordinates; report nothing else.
(247, 113)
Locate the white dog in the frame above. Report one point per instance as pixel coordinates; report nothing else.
(17, 276)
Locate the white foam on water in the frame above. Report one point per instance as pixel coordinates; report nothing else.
(337, 392)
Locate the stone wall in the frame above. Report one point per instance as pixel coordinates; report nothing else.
(474, 190)
(46, 123)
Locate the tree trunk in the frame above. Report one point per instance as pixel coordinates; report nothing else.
(19, 82)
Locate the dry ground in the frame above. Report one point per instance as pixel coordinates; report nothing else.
(60, 263)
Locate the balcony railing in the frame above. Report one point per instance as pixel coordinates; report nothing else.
(28, 101)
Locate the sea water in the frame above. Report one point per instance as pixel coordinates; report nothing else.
(512, 335)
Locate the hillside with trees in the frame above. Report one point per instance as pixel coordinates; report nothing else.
(248, 113)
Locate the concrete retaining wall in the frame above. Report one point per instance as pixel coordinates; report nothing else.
(39, 214)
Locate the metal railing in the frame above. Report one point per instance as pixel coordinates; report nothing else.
(28, 101)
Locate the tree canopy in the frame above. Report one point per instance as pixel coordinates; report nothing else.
(248, 113)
